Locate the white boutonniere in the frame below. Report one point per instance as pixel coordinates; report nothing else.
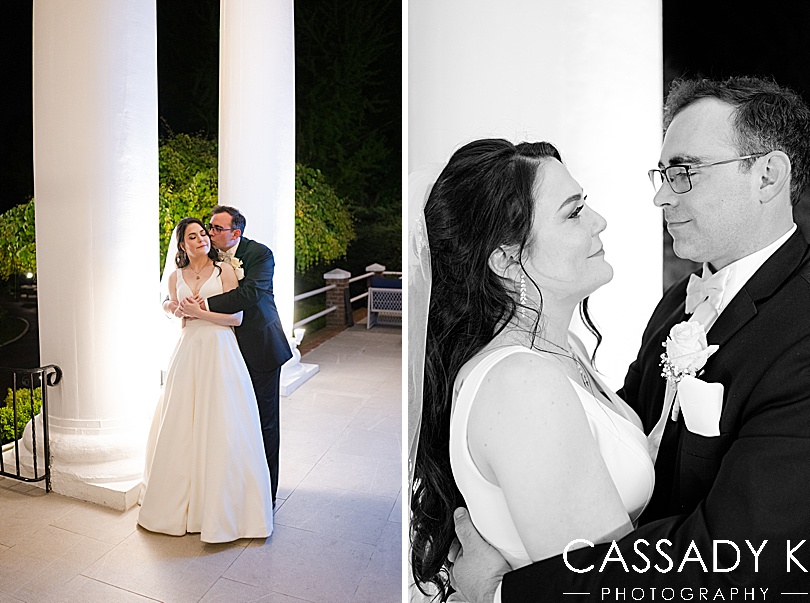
(237, 268)
(235, 262)
(686, 353)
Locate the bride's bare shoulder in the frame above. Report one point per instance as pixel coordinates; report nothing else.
(520, 368)
(525, 401)
(521, 383)
(523, 386)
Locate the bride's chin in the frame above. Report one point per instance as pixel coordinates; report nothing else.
(608, 278)
(604, 278)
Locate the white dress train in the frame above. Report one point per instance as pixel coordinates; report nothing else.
(205, 465)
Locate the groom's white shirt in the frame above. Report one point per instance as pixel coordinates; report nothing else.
(739, 273)
(742, 270)
(229, 253)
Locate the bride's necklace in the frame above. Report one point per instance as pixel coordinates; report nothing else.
(569, 353)
(197, 272)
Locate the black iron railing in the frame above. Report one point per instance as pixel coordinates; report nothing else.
(28, 387)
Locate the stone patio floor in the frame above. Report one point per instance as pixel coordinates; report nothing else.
(338, 527)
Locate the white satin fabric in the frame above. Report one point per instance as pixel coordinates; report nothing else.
(205, 466)
(615, 430)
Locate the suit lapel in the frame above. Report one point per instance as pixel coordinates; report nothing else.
(240, 249)
(678, 315)
(765, 281)
(653, 383)
(667, 496)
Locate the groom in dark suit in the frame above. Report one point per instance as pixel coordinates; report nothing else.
(261, 336)
(735, 159)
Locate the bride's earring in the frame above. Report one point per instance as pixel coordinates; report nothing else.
(522, 299)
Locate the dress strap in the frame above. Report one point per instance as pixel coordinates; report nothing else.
(610, 398)
(181, 281)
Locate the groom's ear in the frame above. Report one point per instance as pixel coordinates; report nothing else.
(502, 260)
(774, 177)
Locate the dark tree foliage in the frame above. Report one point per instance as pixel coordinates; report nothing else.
(349, 94)
(349, 118)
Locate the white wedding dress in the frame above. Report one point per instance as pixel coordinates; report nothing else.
(205, 465)
(619, 438)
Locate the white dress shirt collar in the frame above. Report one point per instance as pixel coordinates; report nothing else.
(743, 269)
(229, 253)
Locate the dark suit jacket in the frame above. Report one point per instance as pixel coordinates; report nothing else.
(261, 336)
(752, 482)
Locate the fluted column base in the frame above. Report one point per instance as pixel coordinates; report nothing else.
(100, 464)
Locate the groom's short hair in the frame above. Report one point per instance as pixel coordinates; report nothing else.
(237, 219)
(767, 117)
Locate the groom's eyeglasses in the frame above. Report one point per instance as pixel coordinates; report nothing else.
(218, 229)
(679, 177)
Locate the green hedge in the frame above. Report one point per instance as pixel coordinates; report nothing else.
(189, 187)
(18, 250)
(23, 412)
(323, 223)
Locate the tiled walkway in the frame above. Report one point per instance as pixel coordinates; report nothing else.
(337, 530)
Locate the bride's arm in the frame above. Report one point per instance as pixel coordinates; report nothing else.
(171, 304)
(194, 306)
(529, 434)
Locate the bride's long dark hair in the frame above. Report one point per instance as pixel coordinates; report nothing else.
(483, 199)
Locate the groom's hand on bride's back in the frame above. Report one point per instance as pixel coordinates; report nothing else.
(477, 568)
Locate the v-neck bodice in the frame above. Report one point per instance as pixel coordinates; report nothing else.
(211, 286)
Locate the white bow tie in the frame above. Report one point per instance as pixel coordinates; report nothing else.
(709, 287)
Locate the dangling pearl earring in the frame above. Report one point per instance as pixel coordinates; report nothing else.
(522, 298)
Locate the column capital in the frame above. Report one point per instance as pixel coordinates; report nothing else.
(337, 275)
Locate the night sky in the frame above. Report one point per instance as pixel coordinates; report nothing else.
(722, 39)
(16, 134)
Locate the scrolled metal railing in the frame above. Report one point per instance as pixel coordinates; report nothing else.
(30, 381)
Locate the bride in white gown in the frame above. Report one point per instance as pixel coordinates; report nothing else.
(205, 466)
(540, 451)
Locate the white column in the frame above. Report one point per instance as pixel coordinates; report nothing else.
(586, 76)
(96, 187)
(257, 130)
